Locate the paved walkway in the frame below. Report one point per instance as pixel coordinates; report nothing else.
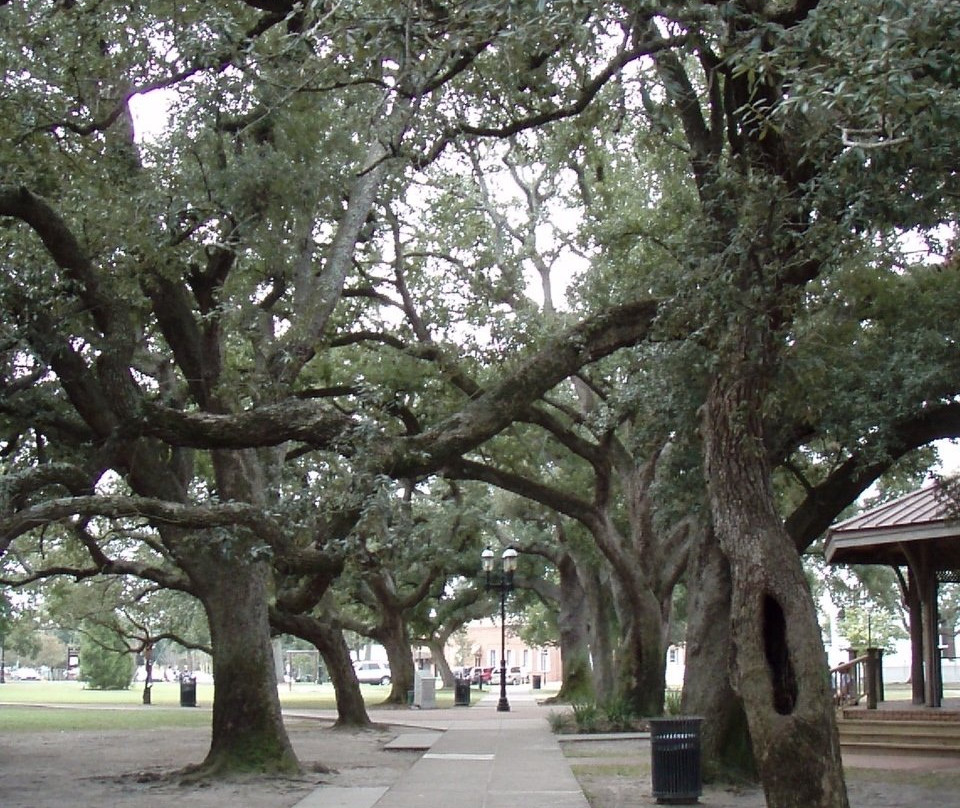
(475, 757)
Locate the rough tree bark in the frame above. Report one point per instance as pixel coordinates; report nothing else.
(248, 732)
(393, 634)
(603, 649)
(351, 708)
(641, 668)
(780, 663)
(330, 642)
(573, 622)
(707, 688)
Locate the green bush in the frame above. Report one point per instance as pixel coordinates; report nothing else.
(673, 702)
(558, 722)
(104, 663)
(586, 714)
(619, 714)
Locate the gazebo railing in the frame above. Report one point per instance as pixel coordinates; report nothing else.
(848, 682)
(858, 680)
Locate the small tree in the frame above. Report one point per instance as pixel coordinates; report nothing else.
(105, 663)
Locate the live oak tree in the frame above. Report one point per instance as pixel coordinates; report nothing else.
(198, 316)
(182, 305)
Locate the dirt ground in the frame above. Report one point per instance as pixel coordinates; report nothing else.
(616, 774)
(136, 769)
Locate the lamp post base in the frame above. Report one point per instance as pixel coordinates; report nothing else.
(503, 706)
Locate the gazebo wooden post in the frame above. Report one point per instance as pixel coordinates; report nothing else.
(873, 659)
(931, 644)
(915, 609)
(923, 571)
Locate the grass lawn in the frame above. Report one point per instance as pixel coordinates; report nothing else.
(69, 706)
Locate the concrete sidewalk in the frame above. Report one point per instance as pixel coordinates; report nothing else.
(475, 757)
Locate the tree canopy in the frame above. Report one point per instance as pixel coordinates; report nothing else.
(262, 341)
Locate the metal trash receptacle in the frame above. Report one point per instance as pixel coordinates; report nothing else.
(535, 681)
(188, 691)
(461, 693)
(675, 759)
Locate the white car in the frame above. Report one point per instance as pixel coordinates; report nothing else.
(372, 673)
(25, 674)
(515, 675)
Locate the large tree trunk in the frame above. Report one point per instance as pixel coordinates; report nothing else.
(573, 623)
(351, 709)
(603, 620)
(393, 635)
(780, 664)
(248, 731)
(641, 672)
(707, 689)
(443, 667)
(329, 641)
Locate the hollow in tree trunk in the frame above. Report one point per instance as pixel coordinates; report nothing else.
(780, 665)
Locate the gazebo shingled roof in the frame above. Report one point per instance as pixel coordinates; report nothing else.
(920, 531)
(877, 536)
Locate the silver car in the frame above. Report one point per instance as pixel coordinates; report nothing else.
(372, 673)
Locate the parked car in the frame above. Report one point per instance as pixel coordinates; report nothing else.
(372, 673)
(25, 674)
(515, 675)
(481, 676)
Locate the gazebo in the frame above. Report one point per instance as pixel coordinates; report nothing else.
(921, 532)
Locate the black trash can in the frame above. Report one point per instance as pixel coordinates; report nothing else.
(188, 691)
(535, 681)
(675, 759)
(461, 693)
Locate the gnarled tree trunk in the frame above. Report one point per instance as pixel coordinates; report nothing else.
(780, 664)
(395, 638)
(641, 668)
(329, 641)
(602, 628)
(248, 732)
(573, 622)
(707, 688)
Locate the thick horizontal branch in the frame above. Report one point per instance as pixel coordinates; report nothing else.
(16, 488)
(291, 420)
(493, 410)
(155, 511)
(563, 502)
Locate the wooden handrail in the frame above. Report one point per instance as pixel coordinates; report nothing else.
(850, 664)
(857, 679)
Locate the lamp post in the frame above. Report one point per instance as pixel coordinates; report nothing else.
(504, 584)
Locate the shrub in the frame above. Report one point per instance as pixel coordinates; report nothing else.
(586, 714)
(558, 721)
(104, 663)
(673, 702)
(619, 714)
